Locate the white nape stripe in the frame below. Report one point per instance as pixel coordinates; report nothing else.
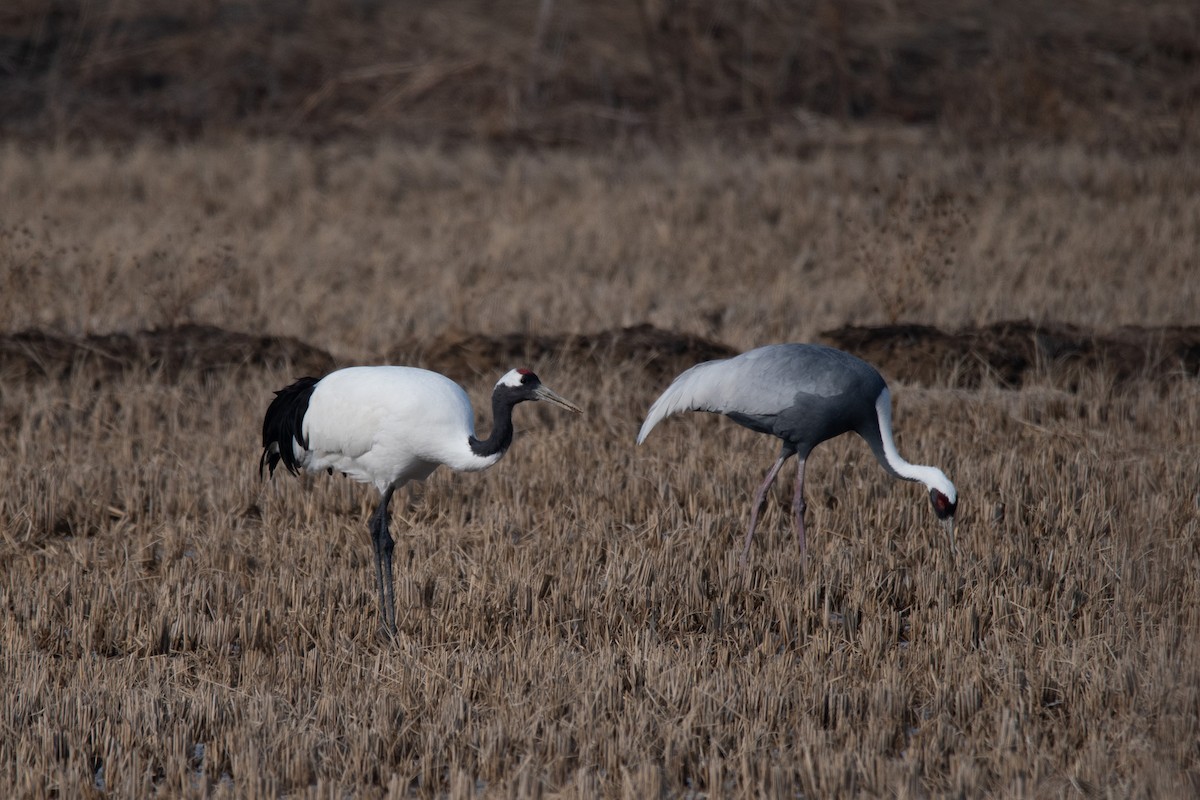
(932, 477)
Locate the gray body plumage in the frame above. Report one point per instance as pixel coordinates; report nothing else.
(831, 393)
(803, 394)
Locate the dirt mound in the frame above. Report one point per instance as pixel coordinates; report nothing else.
(1012, 352)
(202, 348)
(660, 353)
(1008, 352)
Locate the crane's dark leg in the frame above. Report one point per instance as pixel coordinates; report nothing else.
(384, 545)
(799, 507)
(760, 497)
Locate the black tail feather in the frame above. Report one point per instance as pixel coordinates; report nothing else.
(284, 423)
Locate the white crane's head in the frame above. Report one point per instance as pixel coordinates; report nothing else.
(519, 385)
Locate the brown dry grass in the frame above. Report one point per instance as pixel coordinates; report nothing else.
(573, 622)
(352, 248)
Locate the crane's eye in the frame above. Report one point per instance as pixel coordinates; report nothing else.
(527, 376)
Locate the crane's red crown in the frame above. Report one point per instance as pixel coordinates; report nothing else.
(518, 377)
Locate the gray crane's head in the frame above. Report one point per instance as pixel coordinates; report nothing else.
(942, 493)
(943, 505)
(520, 385)
(943, 496)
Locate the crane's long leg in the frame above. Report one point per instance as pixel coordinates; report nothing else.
(799, 507)
(760, 497)
(384, 545)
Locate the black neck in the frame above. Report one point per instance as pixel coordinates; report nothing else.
(502, 427)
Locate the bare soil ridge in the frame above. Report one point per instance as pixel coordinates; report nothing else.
(659, 352)
(1010, 353)
(171, 351)
(1013, 352)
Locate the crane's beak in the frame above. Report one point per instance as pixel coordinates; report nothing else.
(543, 393)
(948, 527)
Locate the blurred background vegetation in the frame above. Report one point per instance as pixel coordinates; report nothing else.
(557, 72)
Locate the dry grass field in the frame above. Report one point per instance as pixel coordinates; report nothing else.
(574, 622)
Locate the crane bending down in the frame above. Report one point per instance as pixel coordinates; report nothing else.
(387, 426)
(803, 394)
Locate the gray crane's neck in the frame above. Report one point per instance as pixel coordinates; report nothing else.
(878, 434)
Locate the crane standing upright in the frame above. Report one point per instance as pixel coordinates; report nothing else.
(387, 426)
(804, 394)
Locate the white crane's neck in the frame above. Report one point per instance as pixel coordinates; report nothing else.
(890, 457)
(490, 450)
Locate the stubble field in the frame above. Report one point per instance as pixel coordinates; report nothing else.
(574, 622)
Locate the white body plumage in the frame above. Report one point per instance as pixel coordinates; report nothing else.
(390, 425)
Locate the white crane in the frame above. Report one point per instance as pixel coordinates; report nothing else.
(387, 426)
(803, 394)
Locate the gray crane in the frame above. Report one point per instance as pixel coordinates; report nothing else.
(804, 394)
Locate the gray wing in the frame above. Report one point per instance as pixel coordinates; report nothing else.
(764, 382)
